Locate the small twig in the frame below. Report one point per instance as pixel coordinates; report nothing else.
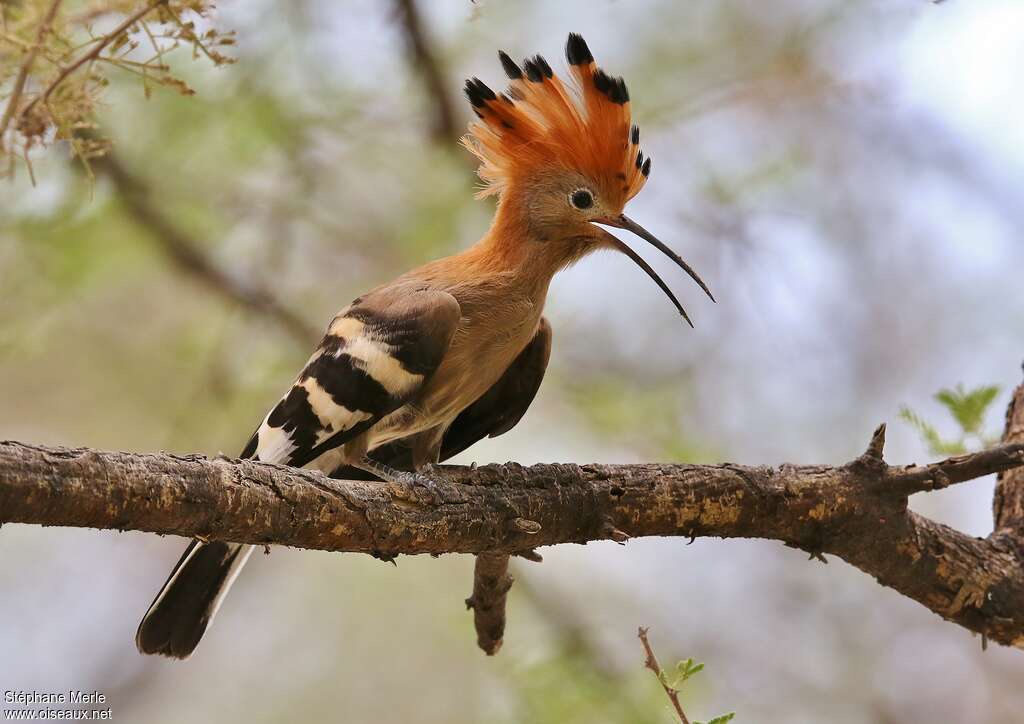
(194, 39)
(491, 583)
(530, 555)
(652, 663)
(26, 68)
(609, 531)
(956, 469)
(15, 40)
(104, 41)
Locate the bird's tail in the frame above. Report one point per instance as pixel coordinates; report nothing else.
(178, 617)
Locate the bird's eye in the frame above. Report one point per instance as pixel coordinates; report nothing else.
(581, 199)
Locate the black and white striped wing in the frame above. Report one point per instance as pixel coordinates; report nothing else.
(377, 354)
(496, 412)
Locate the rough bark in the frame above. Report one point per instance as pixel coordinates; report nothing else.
(855, 511)
(491, 582)
(1008, 502)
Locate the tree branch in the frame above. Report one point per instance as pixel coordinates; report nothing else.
(423, 60)
(26, 67)
(491, 582)
(186, 253)
(856, 511)
(93, 53)
(1008, 501)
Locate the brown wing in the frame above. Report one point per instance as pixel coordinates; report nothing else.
(496, 412)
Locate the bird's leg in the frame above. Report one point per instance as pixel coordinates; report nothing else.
(391, 475)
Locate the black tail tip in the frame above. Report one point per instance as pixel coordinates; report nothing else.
(576, 50)
(151, 641)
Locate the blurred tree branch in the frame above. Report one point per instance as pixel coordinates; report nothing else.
(67, 86)
(187, 255)
(26, 67)
(423, 60)
(856, 511)
(88, 57)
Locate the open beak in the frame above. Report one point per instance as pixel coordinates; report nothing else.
(624, 222)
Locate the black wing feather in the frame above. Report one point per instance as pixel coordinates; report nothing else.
(377, 354)
(496, 412)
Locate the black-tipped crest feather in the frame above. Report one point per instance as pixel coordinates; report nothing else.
(478, 93)
(614, 88)
(582, 121)
(513, 71)
(544, 67)
(576, 50)
(537, 69)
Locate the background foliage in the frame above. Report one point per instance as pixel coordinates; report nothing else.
(841, 172)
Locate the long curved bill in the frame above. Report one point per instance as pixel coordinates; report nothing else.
(624, 222)
(618, 244)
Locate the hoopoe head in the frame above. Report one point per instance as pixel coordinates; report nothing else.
(566, 153)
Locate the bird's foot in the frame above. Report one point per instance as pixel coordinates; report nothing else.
(404, 478)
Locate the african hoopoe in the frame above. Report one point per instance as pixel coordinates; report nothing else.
(419, 369)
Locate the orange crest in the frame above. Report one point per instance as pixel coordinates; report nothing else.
(583, 126)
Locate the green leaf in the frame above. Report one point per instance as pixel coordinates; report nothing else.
(932, 438)
(968, 407)
(684, 670)
(723, 719)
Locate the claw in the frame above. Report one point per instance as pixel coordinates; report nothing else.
(414, 479)
(404, 478)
